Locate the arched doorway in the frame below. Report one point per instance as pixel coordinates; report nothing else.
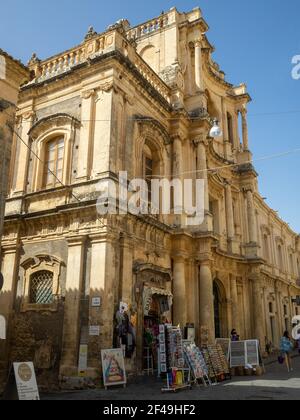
(220, 309)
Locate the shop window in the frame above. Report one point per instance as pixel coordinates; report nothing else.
(41, 288)
(54, 161)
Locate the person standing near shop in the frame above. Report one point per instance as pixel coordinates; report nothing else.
(234, 336)
(286, 348)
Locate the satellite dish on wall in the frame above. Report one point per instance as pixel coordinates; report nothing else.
(1, 281)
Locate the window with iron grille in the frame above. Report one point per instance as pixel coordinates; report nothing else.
(41, 288)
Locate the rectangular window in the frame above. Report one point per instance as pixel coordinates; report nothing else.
(54, 160)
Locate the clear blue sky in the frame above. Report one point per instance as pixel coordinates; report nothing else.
(255, 42)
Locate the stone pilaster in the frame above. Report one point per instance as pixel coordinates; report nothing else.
(22, 158)
(9, 269)
(229, 213)
(198, 65)
(71, 332)
(235, 304)
(258, 310)
(86, 134)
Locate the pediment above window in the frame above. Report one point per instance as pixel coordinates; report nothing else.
(153, 128)
(53, 122)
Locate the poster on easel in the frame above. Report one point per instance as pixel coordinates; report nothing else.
(113, 366)
(26, 381)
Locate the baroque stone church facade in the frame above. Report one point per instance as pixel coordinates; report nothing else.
(122, 100)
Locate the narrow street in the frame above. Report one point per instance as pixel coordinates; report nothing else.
(276, 384)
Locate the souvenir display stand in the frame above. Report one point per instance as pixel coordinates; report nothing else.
(178, 376)
(195, 360)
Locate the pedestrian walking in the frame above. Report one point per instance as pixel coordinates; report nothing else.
(286, 348)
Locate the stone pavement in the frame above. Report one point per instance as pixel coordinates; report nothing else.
(276, 384)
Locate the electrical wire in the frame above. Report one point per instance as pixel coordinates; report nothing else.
(207, 170)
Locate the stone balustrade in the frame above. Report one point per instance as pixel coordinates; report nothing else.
(62, 63)
(90, 49)
(152, 78)
(149, 27)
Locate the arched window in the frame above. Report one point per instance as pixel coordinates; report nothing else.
(230, 128)
(150, 168)
(41, 288)
(266, 247)
(54, 162)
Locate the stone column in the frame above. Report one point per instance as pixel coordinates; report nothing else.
(71, 332)
(198, 65)
(202, 168)
(229, 212)
(235, 304)
(179, 293)
(280, 310)
(245, 130)
(251, 218)
(258, 311)
(177, 157)
(86, 134)
(247, 308)
(177, 172)
(207, 318)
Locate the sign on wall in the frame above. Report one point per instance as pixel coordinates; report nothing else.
(83, 360)
(26, 382)
(96, 302)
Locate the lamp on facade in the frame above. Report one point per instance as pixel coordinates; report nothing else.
(215, 130)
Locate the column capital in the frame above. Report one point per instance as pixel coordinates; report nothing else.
(76, 240)
(200, 140)
(198, 43)
(10, 248)
(177, 137)
(87, 94)
(179, 258)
